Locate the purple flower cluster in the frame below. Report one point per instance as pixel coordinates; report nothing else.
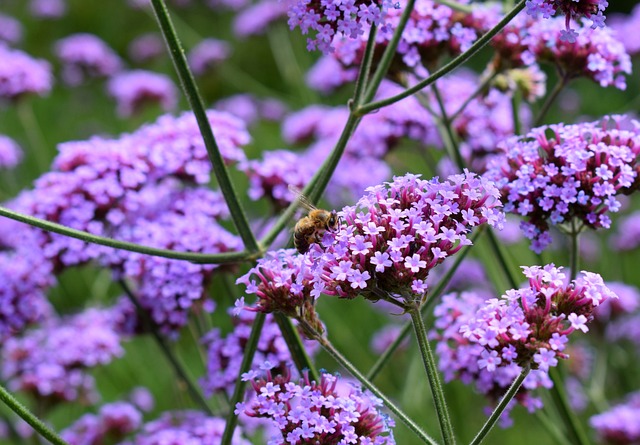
(133, 90)
(10, 29)
(112, 422)
(530, 326)
(255, 18)
(85, 56)
(627, 234)
(48, 9)
(250, 108)
(318, 128)
(323, 412)
(397, 233)
(460, 358)
(10, 152)
(328, 18)
(51, 362)
(207, 54)
(572, 10)
(146, 48)
(184, 427)
(563, 173)
(625, 27)
(620, 424)
(21, 74)
(225, 353)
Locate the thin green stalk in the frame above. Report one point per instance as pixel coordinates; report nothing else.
(558, 87)
(450, 142)
(197, 105)
(462, 58)
(431, 300)
(387, 56)
(574, 253)
(365, 69)
(30, 418)
(455, 6)
(516, 100)
(502, 259)
(296, 347)
(179, 370)
(433, 376)
(566, 412)
(34, 134)
(215, 258)
(238, 391)
(497, 412)
(342, 360)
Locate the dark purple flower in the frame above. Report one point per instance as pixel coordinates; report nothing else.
(619, 424)
(112, 422)
(134, 89)
(85, 56)
(10, 152)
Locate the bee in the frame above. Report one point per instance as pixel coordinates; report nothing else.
(310, 229)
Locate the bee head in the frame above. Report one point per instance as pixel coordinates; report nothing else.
(333, 220)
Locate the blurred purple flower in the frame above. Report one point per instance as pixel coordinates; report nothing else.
(48, 9)
(10, 152)
(112, 422)
(10, 29)
(255, 19)
(317, 412)
(559, 173)
(142, 398)
(21, 75)
(146, 47)
(572, 10)
(85, 56)
(250, 108)
(619, 424)
(385, 336)
(625, 27)
(207, 54)
(627, 234)
(133, 90)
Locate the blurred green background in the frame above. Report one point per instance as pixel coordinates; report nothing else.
(273, 66)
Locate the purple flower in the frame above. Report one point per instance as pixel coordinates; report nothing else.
(50, 362)
(627, 234)
(533, 320)
(48, 9)
(134, 89)
(430, 230)
(21, 75)
(625, 27)
(250, 108)
(207, 54)
(620, 423)
(85, 56)
(571, 9)
(10, 152)
(255, 19)
(146, 48)
(112, 422)
(552, 178)
(10, 29)
(324, 412)
(184, 427)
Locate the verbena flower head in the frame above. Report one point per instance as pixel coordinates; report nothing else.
(146, 48)
(559, 173)
(250, 108)
(326, 18)
(625, 27)
(10, 29)
(50, 362)
(134, 89)
(572, 10)
(619, 425)
(312, 412)
(112, 423)
(225, 353)
(85, 56)
(627, 234)
(10, 152)
(184, 427)
(256, 18)
(21, 74)
(48, 9)
(207, 54)
(530, 326)
(398, 232)
(459, 358)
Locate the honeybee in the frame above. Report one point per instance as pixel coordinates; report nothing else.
(311, 228)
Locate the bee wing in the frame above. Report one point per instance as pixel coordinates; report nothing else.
(301, 199)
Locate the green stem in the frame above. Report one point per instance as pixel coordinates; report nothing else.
(433, 376)
(462, 58)
(295, 346)
(574, 253)
(566, 412)
(342, 360)
(433, 298)
(516, 100)
(558, 87)
(481, 87)
(34, 134)
(455, 6)
(179, 370)
(497, 412)
(238, 391)
(450, 141)
(31, 419)
(365, 69)
(387, 56)
(197, 105)
(502, 259)
(214, 258)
